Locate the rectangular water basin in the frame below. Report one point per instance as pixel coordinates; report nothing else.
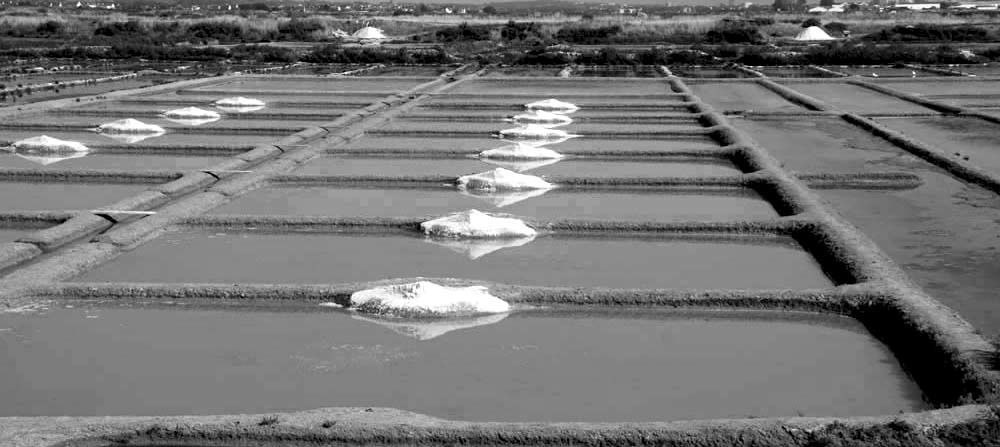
(557, 365)
(884, 72)
(793, 72)
(651, 101)
(852, 98)
(322, 86)
(217, 256)
(237, 123)
(11, 235)
(972, 139)
(524, 71)
(733, 96)
(548, 88)
(943, 233)
(616, 71)
(173, 140)
(585, 128)
(204, 99)
(149, 109)
(568, 167)
(823, 144)
(576, 146)
(580, 116)
(110, 161)
(23, 196)
(555, 204)
(707, 72)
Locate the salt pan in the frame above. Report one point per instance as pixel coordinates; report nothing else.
(476, 224)
(520, 165)
(552, 105)
(424, 298)
(501, 179)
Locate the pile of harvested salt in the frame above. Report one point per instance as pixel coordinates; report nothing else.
(500, 179)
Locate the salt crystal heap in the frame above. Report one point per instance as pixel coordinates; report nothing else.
(541, 118)
(130, 126)
(424, 298)
(476, 224)
(192, 116)
(535, 132)
(500, 179)
(552, 105)
(46, 150)
(239, 104)
(48, 144)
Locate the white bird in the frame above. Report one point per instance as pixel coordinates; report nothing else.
(914, 73)
(874, 75)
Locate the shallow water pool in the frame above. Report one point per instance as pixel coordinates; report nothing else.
(326, 258)
(555, 204)
(62, 196)
(474, 145)
(112, 161)
(556, 365)
(567, 167)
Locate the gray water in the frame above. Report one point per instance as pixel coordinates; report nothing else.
(326, 258)
(62, 196)
(528, 366)
(555, 204)
(111, 161)
(568, 167)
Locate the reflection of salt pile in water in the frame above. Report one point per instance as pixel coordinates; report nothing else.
(541, 118)
(192, 116)
(520, 156)
(500, 179)
(521, 165)
(520, 151)
(46, 150)
(501, 199)
(130, 130)
(239, 104)
(476, 224)
(424, 329)
(552, 105)
(427, 299)
(477, 248)
(535, 132)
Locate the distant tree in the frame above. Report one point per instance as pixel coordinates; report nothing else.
(812, 21)
(835, 27)
(826, 3)
(490, 10)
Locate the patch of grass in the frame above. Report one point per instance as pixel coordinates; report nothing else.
(268, 420)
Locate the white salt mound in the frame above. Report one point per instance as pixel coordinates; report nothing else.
(424, 298)
(239, 101)
(520, 151)
(476, 224)
(552, 105)
(500, 179)
(541, 117)
(534, 132)
(425, 329)
(130, 126)
(47, 144)
(191, 112)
